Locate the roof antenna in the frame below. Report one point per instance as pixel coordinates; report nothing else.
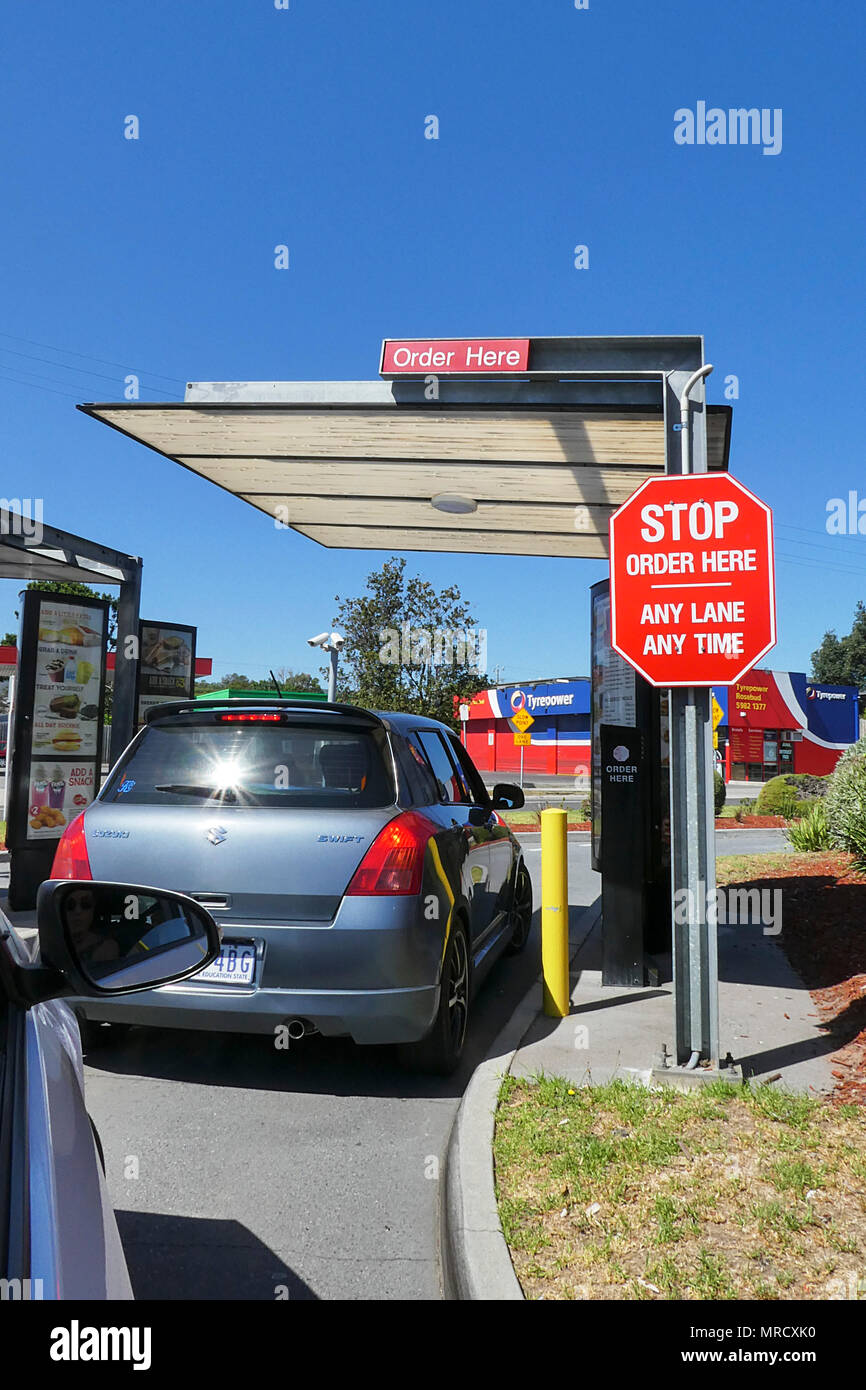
(276, 683)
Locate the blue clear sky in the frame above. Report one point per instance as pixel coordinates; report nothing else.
(260, 126)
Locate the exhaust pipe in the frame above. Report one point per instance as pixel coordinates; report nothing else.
(299, 1027)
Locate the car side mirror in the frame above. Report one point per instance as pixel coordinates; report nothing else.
(115, 938)
(507, 797)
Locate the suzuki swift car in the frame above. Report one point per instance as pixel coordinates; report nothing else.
(361, 876)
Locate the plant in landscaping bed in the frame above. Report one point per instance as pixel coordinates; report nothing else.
(811, 832)
(719, 791)
(777, 798)
(810, 787)
(846, 802)
(745, 808)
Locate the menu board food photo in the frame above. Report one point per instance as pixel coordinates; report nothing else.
(68, 680)
(166, 660)
(167, 665)
(57, 794)
(58, 741)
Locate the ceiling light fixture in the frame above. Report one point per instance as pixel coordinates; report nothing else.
(453, 502)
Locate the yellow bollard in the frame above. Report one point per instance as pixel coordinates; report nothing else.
(554, 912)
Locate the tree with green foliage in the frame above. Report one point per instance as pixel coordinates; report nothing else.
(287, 678)
(408, 647)
(842, 660)
(233, 680)
(298, 680)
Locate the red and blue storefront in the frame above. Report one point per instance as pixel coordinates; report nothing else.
(778, 721)
(559, 733)
(772, 722)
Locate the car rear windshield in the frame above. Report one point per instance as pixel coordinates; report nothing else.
(254, 765)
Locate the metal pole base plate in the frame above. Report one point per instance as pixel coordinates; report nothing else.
(683, 1080)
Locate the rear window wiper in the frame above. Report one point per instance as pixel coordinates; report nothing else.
(197, 789)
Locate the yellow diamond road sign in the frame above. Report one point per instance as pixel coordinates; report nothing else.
(718, 713)
(522, 719)
(522, 740)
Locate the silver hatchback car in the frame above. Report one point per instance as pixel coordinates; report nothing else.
(358, 869)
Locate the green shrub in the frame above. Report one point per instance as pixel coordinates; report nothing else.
(584, 810)
(809, 786)
(745, 808)
(719, 791)
(846, 802)
(777, 798)
(811, 831)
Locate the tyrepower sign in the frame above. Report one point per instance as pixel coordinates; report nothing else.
(447, 356)
(692, 584)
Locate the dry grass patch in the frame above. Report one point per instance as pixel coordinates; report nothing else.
(619, 1192)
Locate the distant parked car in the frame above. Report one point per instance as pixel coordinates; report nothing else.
(358, 868)
(58, 1234)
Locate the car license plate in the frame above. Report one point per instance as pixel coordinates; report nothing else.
(235, 965)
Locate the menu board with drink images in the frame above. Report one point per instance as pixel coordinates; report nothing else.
(58, 792)
(66, 720)
(68, 680)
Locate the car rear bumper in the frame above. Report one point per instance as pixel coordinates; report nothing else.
(367, 1016)
(372, 974)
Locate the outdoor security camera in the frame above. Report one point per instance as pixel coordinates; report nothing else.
(337, 642)
(318, 641)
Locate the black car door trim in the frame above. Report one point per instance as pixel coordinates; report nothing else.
(14, 1147)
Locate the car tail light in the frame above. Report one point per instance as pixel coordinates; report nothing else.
(394, 862)
(249, 718)
(70, 859)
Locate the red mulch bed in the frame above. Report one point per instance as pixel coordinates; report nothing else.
(824, 937)
(752, 823)
(747, 823)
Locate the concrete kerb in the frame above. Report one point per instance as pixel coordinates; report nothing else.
(475, 1258)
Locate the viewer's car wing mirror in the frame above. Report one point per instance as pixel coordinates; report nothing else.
(114, 938)
(507, 797)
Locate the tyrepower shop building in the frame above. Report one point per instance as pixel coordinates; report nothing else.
(778, 721)
(772, 722)
(559, 736)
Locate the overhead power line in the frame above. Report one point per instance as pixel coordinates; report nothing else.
(67, 352)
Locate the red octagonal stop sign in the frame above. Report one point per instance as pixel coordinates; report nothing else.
(692, 585)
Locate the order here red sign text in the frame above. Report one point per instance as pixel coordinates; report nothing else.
(417, 356)
(691, 580)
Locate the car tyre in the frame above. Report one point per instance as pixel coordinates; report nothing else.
(441, 1050)
(98, 1142)
(521, 912)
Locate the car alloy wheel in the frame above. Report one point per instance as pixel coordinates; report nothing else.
(458, 991)
(521, 911)
(441, 1050)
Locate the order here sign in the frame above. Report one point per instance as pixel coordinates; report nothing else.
(468, 356)
(692, 584)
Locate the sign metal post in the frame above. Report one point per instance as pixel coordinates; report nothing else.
(692, 606)
(523, 719)
(693, 849)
